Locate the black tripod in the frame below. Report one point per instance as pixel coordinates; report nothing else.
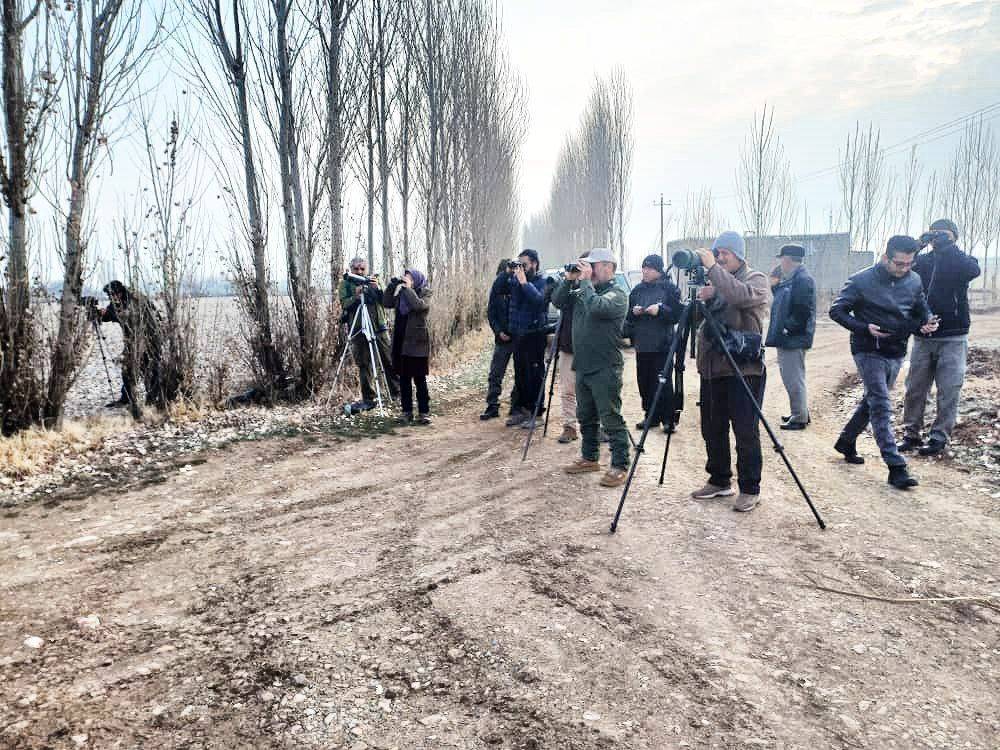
(675, 365)
(551, 366)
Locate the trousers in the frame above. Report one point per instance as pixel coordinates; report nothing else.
(363, 359)
(648, 366)
(567, 389)
(599, 404)
(502, 354)
(529, 368)
(939, 362)
(792, 367)
(878, 374)
(724, 402)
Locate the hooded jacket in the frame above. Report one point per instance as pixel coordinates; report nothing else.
(416, 335)
(743, 298)
(896, 305)
(946, 273)
(652, 333)
(793, 312)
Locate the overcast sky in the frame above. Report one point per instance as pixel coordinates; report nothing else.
(700, 70)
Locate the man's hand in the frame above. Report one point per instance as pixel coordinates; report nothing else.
(707, 257)
(653, 309)
(706, 293)
(931, 325)
(408, 281)
(586, 270)
(877, 332)
(520, 275)
(638, 310)
(504, 336)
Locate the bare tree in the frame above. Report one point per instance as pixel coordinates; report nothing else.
(907, 196)
(969, 190)
(759, 176)
(700, 217)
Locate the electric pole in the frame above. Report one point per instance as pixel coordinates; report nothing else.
(661, 204)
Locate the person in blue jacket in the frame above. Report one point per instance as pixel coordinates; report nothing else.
(528, 320)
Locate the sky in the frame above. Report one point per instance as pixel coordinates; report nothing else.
(699, 72)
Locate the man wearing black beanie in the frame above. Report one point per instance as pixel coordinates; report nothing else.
(881, 307)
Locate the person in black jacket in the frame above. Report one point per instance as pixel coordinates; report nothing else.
(791, 329)
(654, 307)
(881, 307)
(938, 358)
(498, 315)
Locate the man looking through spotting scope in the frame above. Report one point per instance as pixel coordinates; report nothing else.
(352, 293)
(528, 321)
(737, 297)
(881, 306)
(598, 314)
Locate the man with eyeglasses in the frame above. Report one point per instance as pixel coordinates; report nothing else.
(881, 307)
(351, 294)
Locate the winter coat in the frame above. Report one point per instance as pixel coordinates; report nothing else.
(897, 306)
(793, 312)
(498, 306)
(946, 273)
(565, 303)
(528, 305)
(598, 314)
(653, 333)
(741, 305)
(416, 335)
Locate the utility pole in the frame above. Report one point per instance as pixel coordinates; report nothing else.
(661, 204)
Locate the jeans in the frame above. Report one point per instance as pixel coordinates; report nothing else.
(724, 402)
(792, 366)
(648, 366)
(878, 374)
(567, 389)
(502, 353)
(363, 359)
(406, 383)
(940, 362)
(529, 369)
(599, 404)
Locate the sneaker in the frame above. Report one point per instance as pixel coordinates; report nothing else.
(933, 448)
(492, 412)
(517, 417)
(789, 425)
(614, 477)
(809, 420)
(568, 434)
(582, 466)
(526, 424)
(746, 503)
(405, 418)
(423, 419)
(908, 444)
(900, 478)
(849, 451)
(712, 490)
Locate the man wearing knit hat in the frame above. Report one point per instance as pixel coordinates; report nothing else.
(881, 306)
(654, 306)
(939, 357)
(738, 298)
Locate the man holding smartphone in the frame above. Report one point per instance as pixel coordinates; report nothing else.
(881, 307)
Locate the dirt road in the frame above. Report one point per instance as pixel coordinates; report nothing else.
(428, 590)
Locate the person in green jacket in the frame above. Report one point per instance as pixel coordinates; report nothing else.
(598, 314)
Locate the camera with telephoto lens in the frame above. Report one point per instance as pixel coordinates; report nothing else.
(513, 265)
(360, 280)
(935, 235)
(690, 262)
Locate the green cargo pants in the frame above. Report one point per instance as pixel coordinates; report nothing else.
(599, 403)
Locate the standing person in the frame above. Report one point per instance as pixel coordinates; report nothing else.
(881, 306)
(528, 320)
(411, 341)
(939, 357)
(791, 330)
(351, 295)
(564, 300)
(142, 351)
(498, 315)
(598, 314)
(737, 297)
(654, 307)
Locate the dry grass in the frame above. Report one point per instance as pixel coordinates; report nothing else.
(34, 450)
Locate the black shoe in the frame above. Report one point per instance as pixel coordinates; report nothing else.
(116, 404)
(900, 478)
(640, 425)
(422, 419)
(849, 451)
(793, 426)
(785, 419)
(933, 448)
(405, 418)
(492, 412)
(909, 444)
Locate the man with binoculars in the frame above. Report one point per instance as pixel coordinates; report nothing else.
(528, 318)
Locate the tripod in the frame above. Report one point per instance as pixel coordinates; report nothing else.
(104, 359)
(551, 364)
(367, 330)
(676, 352)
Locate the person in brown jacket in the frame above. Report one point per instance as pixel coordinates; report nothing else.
(411, 341)
(738, 298)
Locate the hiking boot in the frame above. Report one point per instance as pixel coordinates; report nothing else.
(933, 448)
(492, 412)
(568, 434)
(582, 466)
(517, 417)
(849, 451)
(900, 478)
(746, 502)
(908, 444)
(713, 490)
(614, 477)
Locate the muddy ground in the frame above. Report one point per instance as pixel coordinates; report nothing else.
(425, 589)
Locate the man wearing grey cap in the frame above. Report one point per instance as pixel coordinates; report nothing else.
(791, 330)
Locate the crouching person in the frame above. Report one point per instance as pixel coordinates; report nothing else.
(598, 314)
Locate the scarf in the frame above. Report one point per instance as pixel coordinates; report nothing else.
(419, 281)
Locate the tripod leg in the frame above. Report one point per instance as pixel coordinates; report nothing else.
(541, 391)
(552, 387)
(778, 447)
(343, 355)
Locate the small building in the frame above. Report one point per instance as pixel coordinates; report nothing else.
(828, 256)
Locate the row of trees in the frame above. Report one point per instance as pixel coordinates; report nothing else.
(589, 199)
(407, 110)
